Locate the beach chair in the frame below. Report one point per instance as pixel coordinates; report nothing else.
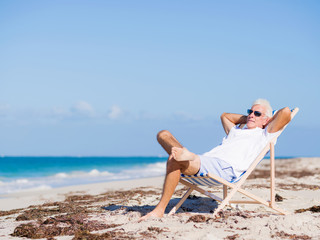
(194, 182)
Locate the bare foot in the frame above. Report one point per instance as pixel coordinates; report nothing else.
(151, 215)
(182, 154)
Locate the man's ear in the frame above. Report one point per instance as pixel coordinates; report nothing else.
(266, 121)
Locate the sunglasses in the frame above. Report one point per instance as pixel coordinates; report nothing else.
(256, 113)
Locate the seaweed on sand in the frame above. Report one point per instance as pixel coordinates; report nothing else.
(311, 209)
(67, 224)
(71, 217)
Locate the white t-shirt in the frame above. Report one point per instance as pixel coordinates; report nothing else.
(241, 147)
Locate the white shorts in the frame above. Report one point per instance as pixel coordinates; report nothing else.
(217, 167)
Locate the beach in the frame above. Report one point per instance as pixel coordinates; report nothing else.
(111, 210)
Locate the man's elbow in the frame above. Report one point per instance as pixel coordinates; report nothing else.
(223, 116)
(286, 111)
(286, 114)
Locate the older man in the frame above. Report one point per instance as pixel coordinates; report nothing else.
(228, 160)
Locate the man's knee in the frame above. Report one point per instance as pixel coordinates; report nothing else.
(167, 141)
(163, 134)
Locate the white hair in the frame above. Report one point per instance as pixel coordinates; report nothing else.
(266, 104)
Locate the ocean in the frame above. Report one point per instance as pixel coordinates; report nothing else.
(19, 174)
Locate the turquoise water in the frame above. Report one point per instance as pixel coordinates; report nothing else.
(30, 173)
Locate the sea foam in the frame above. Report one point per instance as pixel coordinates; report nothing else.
(80, 177)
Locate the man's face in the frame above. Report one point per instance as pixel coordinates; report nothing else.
(254, 121)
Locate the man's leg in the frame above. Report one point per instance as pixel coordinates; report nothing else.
(170, 143)
(174, 169)
(167, 141)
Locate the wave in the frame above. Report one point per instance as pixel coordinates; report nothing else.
(62, 179)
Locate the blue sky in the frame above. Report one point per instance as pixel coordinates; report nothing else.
(103, 77)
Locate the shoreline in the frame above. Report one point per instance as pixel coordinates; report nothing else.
(44, 174)
(47, 186)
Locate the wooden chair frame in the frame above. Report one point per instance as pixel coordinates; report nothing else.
(236, 187)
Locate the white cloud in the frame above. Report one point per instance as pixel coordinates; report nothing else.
(115, 112)
(83, 108)
(79, 110)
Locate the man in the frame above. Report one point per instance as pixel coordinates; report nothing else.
(228, 160)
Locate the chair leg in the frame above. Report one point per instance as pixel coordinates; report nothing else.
(225, 201)
(225, 191)
(272, 176)
(185, 196)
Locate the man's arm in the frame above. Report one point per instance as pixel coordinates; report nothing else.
(229, 120)
(279, 120)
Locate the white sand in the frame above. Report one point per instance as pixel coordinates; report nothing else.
(298, 189)
(27, 198)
